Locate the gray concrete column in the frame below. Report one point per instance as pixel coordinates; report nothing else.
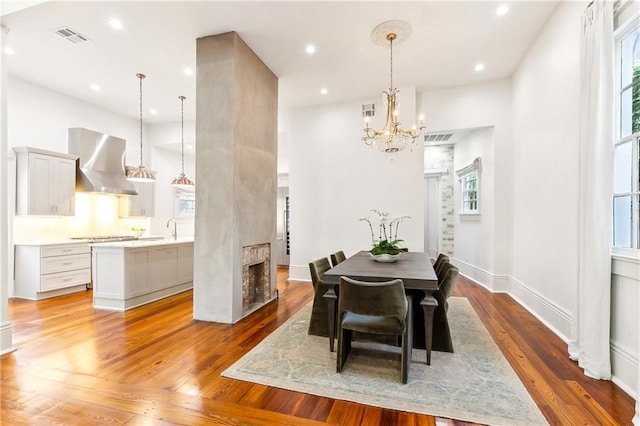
(236, 175)
(6, 337)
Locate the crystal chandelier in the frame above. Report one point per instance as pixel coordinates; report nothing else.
(392, 138)
(182, 181)
(141, 174)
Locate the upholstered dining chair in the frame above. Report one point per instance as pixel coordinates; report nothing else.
(441, 340)
(380, 308)
(337, 257)
(442, 258)
(439, 267)
(318, 324)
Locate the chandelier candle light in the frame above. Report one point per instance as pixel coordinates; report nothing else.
(182, 181)
(392, 138)
(141, 174)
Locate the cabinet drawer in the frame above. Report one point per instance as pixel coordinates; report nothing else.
(50, 265)
(62, 250)
(65, 279)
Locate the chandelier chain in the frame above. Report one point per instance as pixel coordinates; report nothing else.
(391, 63)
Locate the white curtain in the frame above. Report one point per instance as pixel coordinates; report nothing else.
(589, 344)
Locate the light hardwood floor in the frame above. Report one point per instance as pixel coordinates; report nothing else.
(156, 365)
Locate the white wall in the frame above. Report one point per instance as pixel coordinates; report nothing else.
(545, 242)
(335, 179)
(168, 164)
(483, 105)
(475, 234)
(545, 123)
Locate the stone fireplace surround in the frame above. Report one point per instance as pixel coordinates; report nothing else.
(256, 277)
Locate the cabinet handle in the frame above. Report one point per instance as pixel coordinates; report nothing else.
(66, 280)
(67, 263)
(67, 250)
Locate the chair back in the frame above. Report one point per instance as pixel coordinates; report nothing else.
(386, 299)
(448, 282)
(318, 268)
(337, 257)
(440, 260)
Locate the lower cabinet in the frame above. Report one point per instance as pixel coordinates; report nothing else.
(128, 276)
(43, 271)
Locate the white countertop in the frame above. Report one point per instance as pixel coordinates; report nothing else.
(143, 243)
(58, 241)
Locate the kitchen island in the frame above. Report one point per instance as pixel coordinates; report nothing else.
(127, 274)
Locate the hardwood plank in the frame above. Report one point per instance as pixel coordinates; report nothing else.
(156, 365)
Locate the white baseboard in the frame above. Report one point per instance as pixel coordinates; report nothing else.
(299, 273)
(624, 366)
(556, 318)
(493, 283)
(6, 338)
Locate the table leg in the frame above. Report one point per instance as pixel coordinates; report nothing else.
(332, 300)
(429, 305)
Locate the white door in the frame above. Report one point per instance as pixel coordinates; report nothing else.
(432, 217)
(282, 215)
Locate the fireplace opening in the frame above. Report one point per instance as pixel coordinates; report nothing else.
(256, 277)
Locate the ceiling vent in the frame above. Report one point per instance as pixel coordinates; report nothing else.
(437, 137)
(369, 110)
(70, 34)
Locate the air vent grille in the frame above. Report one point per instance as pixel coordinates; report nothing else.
(72, 35)
(438, 137)
(369, 110)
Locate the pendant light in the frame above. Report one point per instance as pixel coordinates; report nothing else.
(182, 181)
(141, 174)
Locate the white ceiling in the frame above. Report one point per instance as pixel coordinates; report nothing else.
(159, 40)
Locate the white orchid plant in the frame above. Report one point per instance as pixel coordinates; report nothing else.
(387, 242)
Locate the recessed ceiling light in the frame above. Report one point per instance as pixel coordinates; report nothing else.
(188, 71)
(323, 91)
(153, 111)
(9, 50)
(478, 67)
(502, 10)
(115, 23)
(95, 87)
(310, 49)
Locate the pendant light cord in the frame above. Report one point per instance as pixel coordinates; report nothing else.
(182, 98)
(141, 76)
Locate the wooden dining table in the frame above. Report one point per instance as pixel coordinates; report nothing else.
(419, 279)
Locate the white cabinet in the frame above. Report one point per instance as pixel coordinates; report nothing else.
(130, 274)
(44, 271)
(46, 182)
(142, 204)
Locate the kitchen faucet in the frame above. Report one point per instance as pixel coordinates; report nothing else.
(174, 231)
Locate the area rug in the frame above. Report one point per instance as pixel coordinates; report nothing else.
(474, 384)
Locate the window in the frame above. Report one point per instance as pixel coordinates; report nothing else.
(185, 203)
(626, 188)
(470, 188)
(470, 193)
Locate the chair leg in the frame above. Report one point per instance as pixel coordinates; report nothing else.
(344, 347)
(407, 346)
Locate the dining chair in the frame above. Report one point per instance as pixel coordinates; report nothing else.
(380, 308)
(318, 322)
(441, 259)
(337, 257)
(440, 269)
(441, 339)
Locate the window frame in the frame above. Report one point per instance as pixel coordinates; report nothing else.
(473, 169)
(625, 30)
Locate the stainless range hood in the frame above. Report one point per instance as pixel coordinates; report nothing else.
(101, 163)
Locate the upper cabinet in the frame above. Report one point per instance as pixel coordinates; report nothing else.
(142, 204)
(46, 182)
